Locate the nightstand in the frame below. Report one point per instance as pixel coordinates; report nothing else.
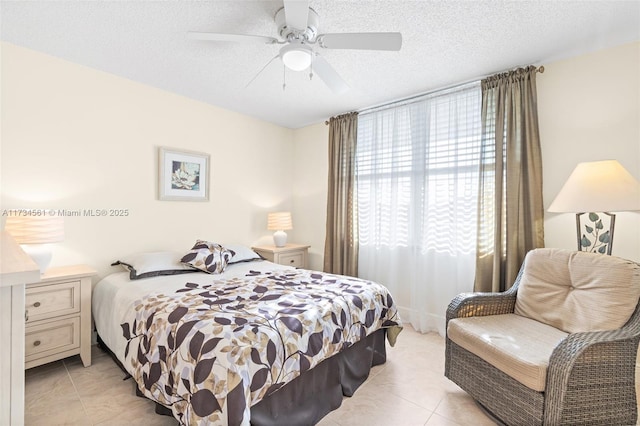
(58, 316)
(290, 255)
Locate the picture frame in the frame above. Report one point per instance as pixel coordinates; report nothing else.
(183, 175)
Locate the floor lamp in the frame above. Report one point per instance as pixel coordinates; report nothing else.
(593, 188)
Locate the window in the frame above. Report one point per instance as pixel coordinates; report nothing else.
(417, 173)
(417, 176)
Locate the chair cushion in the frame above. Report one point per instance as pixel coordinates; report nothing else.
(578, 291)
(517, 346)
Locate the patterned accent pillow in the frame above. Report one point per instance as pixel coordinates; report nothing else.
(208, 257)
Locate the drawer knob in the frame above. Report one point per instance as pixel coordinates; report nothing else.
(292, 261)
(36, 305)
(36, 343)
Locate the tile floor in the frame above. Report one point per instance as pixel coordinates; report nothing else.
(409, 389)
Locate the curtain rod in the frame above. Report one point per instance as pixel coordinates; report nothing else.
(540, 69)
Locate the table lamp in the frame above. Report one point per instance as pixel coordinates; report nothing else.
(34, 233)
(279, 222)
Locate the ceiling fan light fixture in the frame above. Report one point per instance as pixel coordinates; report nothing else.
(296, 57)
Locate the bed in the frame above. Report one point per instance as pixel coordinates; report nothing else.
(256, 343)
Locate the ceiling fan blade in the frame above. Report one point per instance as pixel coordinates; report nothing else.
(260, 72)
(330, 77)
(363, 41)
(296, 13)
(242, 38)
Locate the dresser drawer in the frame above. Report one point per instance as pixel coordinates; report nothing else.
(52, 337)
(53, 300)
(293, 259)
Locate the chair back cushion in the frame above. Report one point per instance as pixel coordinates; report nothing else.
(577, 291)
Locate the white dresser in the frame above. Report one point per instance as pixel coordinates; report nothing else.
(16, 269)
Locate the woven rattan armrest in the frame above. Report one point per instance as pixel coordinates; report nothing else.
(482, 304)
(591, 360)
(584, 345)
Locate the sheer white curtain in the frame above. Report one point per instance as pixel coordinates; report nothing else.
(417, 173)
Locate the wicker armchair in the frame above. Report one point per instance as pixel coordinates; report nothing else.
(590, 378)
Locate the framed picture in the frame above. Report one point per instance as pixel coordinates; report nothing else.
(183, 175)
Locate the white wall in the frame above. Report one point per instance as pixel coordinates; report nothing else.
(310, 166)
(589, 110)
(76, 138)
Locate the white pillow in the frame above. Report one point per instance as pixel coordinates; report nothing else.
(153, 264)
(241, 253)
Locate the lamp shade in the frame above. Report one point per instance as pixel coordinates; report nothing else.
(296, 56)
(279, 221)
(35, 229)
(598, 186)
(35, 232)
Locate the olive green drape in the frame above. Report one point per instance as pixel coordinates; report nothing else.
(511, 213)
(341, 243)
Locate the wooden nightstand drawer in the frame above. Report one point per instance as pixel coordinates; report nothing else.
(296, 260)
(291, 254)
(58, 323)
(50, 301)
(52, 337)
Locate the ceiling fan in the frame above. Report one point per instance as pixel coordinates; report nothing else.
(298, 33)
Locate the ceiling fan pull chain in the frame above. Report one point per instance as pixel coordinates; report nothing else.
(284, 77)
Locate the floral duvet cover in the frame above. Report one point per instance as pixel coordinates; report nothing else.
(211, 351)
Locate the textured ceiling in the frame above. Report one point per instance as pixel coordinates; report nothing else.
(444, 43)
